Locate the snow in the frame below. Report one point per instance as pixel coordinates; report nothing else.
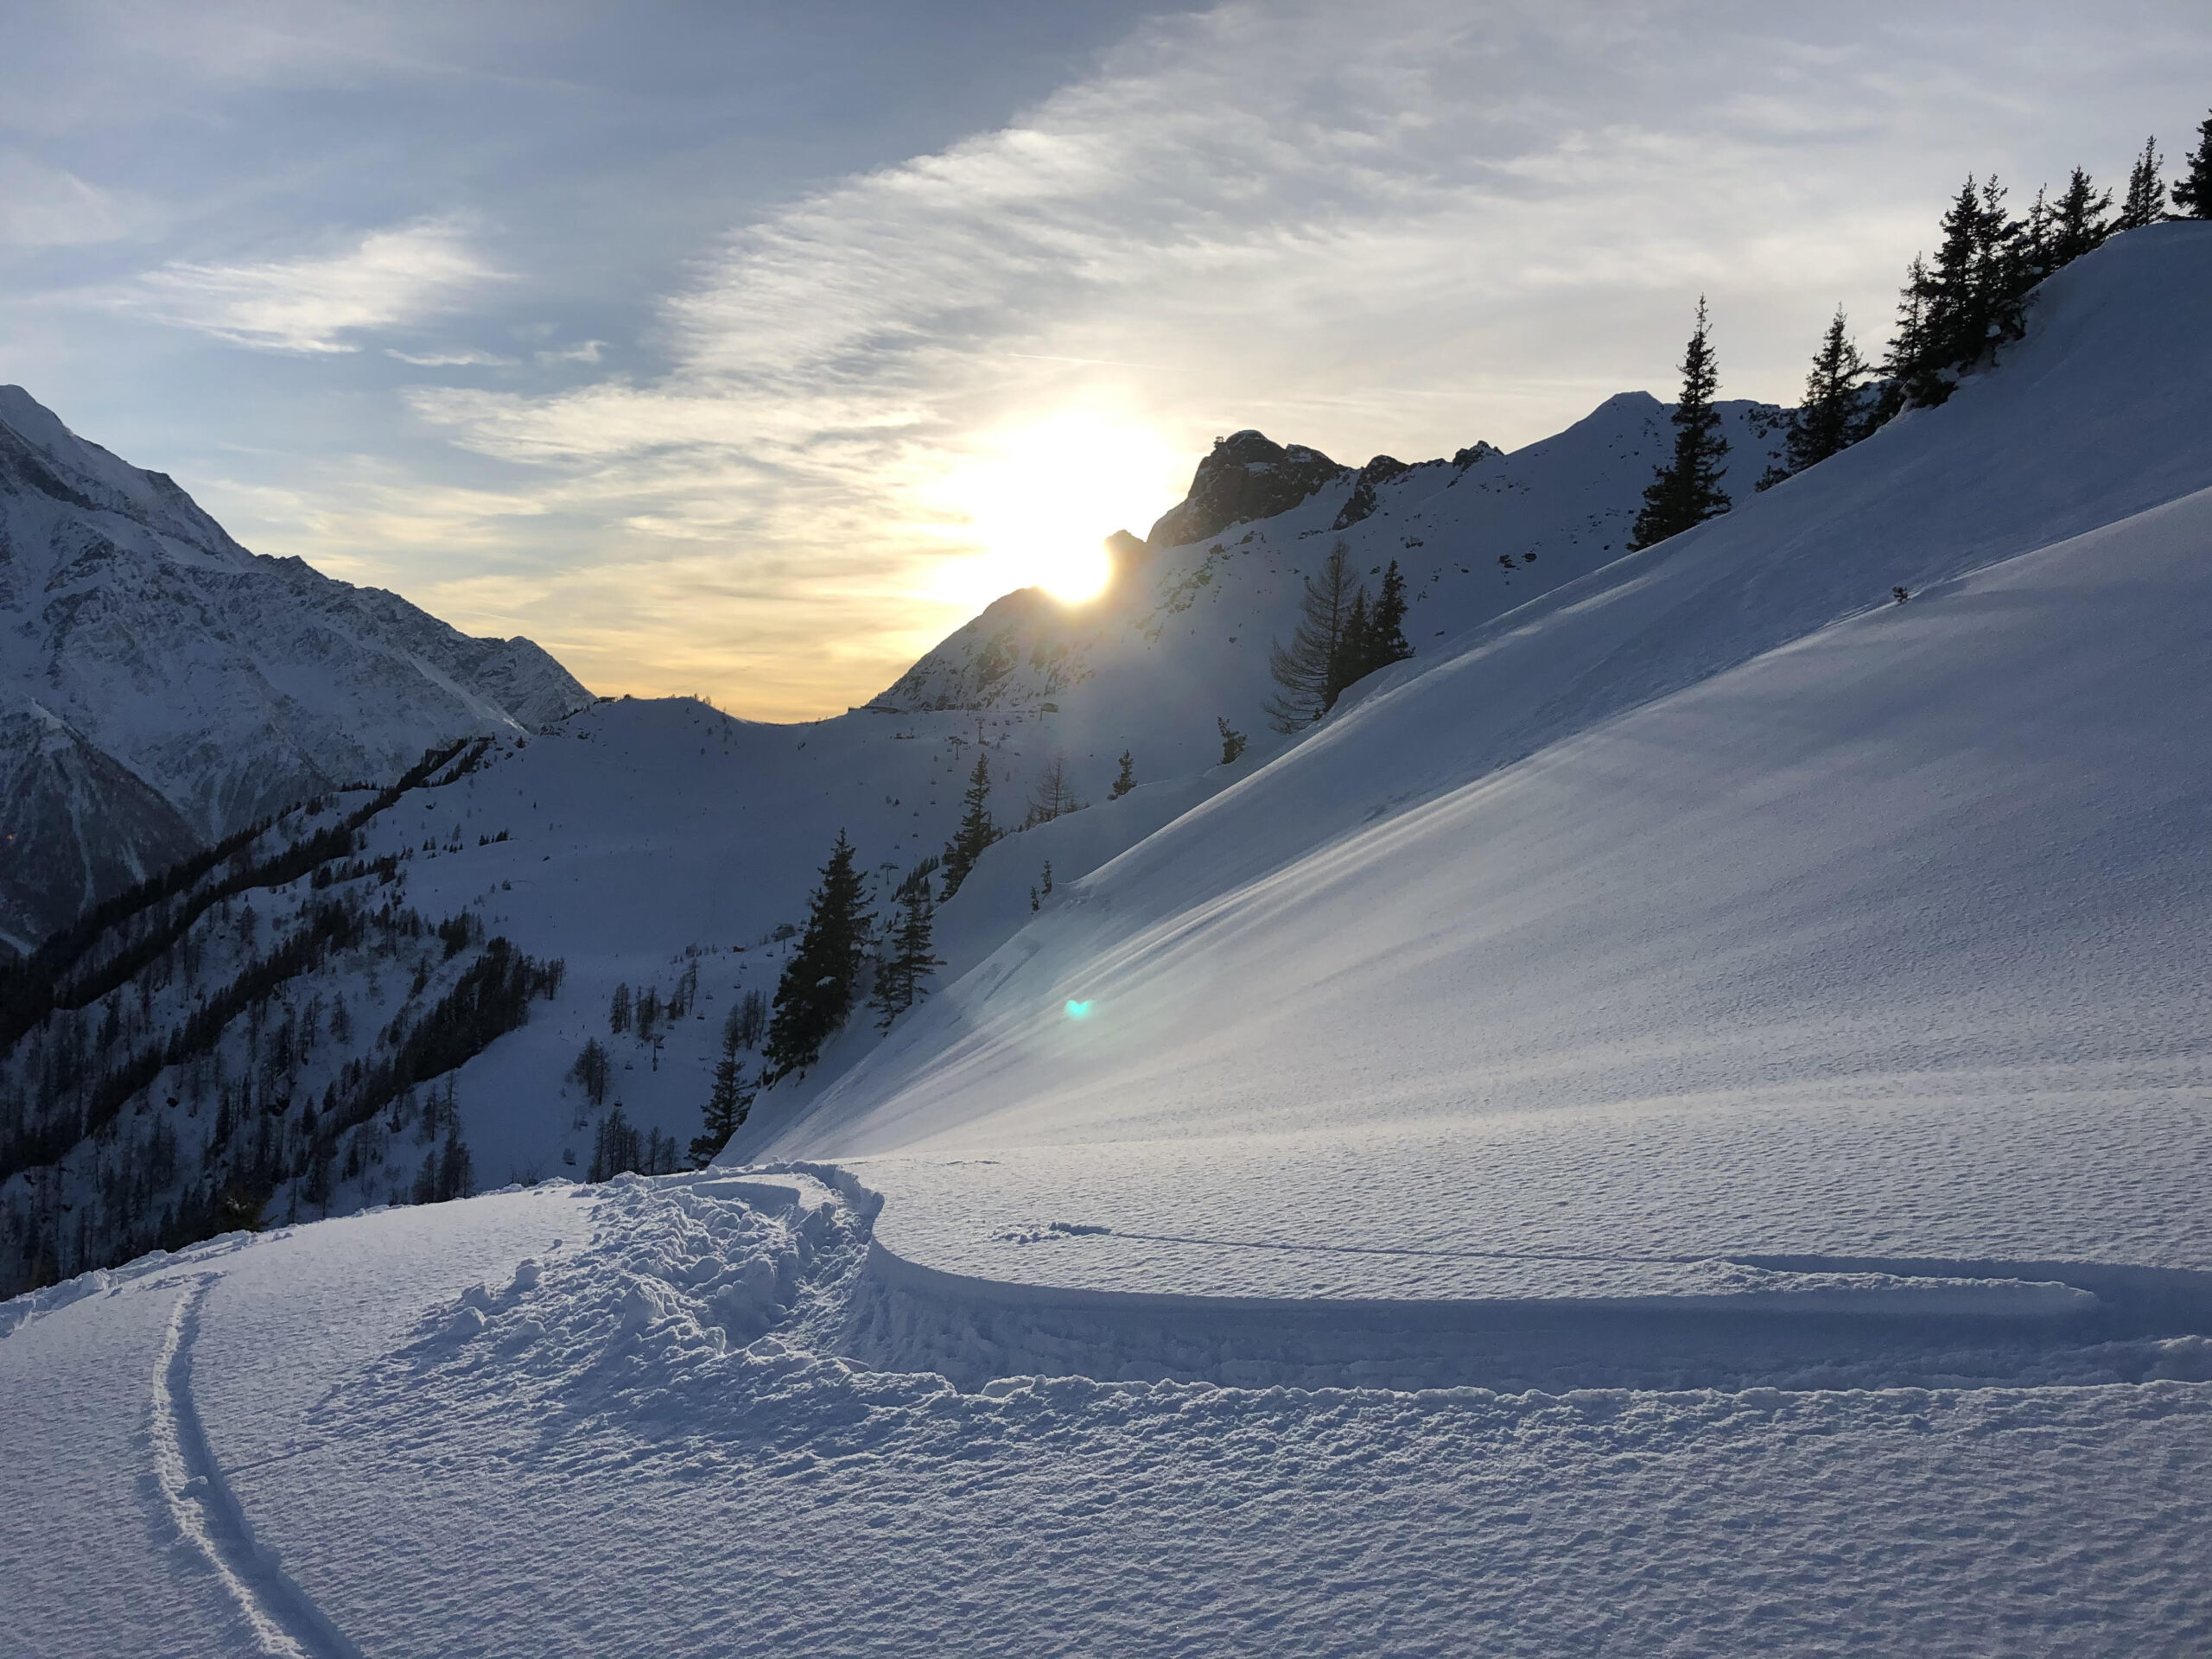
(161, 687)
(1673, 1122)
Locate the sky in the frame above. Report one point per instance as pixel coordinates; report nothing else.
(744, 351)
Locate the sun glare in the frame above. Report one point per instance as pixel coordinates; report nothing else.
(1037, 503)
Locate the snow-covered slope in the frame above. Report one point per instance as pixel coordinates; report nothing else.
(1712, 902)
(1671, 1124)
(160, 686)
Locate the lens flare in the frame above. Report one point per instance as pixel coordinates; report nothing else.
(1078, 1010)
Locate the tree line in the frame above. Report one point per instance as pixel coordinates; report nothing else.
(1956, 308)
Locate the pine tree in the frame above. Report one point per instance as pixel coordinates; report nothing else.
(618, 1011)
(1386, 623)
(899, 982)
(2193, 194)
(2079, 224)
(1687, 490)
(1232, 741)
(1953, 313)
(2145, 200)
(1307, 671)
(975, 833)
(1831, 419)
(1125, 779)
(648, 1014)
(823, 977)
(726, 1106)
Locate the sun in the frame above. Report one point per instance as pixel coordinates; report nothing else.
(1035, 503)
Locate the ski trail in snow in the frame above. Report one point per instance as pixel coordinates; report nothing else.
(284, 1622)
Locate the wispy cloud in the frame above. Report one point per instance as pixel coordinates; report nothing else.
(46, 207)
(1400, 227)
(1373, 232)
(458, 359)
(320, 302)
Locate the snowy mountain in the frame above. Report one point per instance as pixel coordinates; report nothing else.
(162, 687)
(1671, 1122)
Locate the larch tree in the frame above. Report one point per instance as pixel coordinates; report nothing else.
(1687, 490)
(1054, 797)
(1306, 672)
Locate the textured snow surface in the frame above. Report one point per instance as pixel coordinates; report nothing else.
(553, 1423)
(1675, 1122)
(1714, 904)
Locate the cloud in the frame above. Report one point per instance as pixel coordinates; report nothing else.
(590, 352)
(1399, 229)
(314, 303)
(468, 359)
(45, 207)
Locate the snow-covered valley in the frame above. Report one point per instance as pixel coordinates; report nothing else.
(1675, 1121)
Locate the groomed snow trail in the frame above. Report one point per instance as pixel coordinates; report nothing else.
(283, 1622)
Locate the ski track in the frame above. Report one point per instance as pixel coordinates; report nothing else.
(285, 1623)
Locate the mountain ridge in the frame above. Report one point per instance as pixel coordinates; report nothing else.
(162, 686)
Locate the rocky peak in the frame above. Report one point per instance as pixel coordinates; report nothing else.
(1247, 476)
(1380, 470)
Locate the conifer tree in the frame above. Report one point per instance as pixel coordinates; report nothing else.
(899, 982)
(727, 1105)
(1125, 779)
(1308, 670)
(1386, 623)
(1968, 301)
(1232, 741)
(975, 834)
(2079, 224)
(2145, 200)
(1831, 419)
(1687, 490)
(821, 979)
(2193, 192)
(618, 1010)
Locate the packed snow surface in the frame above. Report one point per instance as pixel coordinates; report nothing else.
(1674, 1123)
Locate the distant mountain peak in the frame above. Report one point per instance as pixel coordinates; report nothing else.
(160, 685)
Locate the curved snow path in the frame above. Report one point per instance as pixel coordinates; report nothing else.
(1792, 1322)
(284, 1621)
